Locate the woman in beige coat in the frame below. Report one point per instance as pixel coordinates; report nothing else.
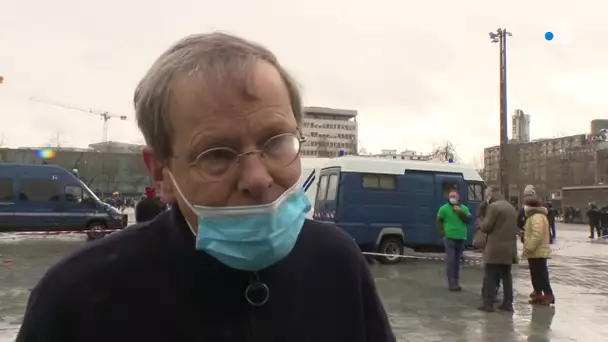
(537, 250)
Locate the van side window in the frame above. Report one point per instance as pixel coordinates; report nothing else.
(385, 182)
(322, 191)
(332, 188)
(449, 187)
(39, 190)
(475, 192)
(6, 190)
(73, 193)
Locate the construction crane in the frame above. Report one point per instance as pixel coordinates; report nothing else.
(105, 116)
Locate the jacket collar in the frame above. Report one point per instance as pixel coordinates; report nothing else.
(536, 210)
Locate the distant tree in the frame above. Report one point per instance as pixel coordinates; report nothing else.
(56, 140)
(444, 152)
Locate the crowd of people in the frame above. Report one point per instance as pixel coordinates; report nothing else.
(499, 226)
(598, 220)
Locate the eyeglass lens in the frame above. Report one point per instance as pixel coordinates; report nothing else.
(278, 151)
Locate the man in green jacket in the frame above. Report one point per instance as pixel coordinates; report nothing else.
(452, 220)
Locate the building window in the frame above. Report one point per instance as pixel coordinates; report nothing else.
(384, 182)
(39, 190)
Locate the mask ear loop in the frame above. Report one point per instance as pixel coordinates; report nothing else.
(179, 191)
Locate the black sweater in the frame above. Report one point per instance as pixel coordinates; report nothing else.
(148, 283)
(147, 209)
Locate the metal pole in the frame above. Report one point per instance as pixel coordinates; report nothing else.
(504, 138)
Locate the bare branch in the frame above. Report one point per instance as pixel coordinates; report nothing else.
(56, 140)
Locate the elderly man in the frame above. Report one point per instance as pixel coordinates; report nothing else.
(235, 258)
(500, 223)
(481, 214)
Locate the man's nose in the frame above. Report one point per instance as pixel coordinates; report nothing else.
(254, 178)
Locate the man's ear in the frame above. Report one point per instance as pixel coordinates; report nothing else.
(157, 168)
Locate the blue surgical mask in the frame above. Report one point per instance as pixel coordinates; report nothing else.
(251, 238)
(453, 200)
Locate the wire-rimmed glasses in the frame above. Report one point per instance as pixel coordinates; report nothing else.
(218, 163)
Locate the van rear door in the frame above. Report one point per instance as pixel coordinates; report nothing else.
(327, 195)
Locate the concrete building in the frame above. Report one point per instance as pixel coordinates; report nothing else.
(103, 172)
(116, 147)
(328, 131)
(597, 125)
(548, 164)
(403, 155)
(520, 128)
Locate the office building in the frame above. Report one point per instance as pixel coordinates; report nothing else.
(403, 155)
(549, 164)
(597, 125)
(328, 131)
(520, 130)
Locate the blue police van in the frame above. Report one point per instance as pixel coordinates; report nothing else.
(391, 204)
(47, 198)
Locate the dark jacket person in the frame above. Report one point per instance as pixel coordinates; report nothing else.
(235, 259)
(149, 208)
(500, 252)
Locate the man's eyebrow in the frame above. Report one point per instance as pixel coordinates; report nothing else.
(199, 143)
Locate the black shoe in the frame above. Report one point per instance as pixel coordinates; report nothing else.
(455, 288)
(486, 307)
(506, 307)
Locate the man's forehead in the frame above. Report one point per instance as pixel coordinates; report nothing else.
(231, 93)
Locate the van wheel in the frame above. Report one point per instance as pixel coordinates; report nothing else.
(393, 246)
(95, 226)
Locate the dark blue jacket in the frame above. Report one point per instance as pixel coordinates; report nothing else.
(148, 283)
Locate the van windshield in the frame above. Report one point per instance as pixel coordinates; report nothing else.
(89, 193)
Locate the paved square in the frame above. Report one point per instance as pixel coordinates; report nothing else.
(414, 292)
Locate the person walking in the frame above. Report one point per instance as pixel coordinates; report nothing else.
(500, 252)
(452, 220)
(551, 216)
(537, 250)
(594, 216)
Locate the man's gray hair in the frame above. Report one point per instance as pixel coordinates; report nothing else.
(217, 57)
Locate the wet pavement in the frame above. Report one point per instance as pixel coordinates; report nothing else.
(414, 292)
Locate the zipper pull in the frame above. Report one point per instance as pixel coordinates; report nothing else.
(257, 293)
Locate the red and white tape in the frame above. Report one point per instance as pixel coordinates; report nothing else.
(62, 232)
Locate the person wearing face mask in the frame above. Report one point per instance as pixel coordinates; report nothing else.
(235, 259)
(452, 220)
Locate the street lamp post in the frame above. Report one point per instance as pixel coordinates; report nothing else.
(500, 37)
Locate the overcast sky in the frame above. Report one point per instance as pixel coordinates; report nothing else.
(418, 72)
